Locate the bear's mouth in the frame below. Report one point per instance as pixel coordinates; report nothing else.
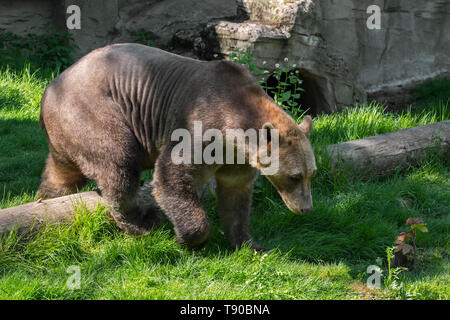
(288, 204)
(297, 209)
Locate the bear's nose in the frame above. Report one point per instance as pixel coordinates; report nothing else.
(308, 209)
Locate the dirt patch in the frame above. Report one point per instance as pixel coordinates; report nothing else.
(364, 292)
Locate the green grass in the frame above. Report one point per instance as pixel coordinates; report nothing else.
(432, 90)
(323, 255)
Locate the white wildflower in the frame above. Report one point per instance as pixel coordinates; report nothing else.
(294, 65)
(277, 65)
(286, 59)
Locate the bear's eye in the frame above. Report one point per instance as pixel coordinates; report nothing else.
(296, 177)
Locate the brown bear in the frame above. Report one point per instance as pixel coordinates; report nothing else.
(112, 114)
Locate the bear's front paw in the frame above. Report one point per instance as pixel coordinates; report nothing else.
(250, 244)
(125, 225)
(253, 245)
(138, 221)
(194, 238)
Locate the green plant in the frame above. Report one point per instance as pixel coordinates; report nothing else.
(402, 254)
(286, 92)
(50, 48)
(244, 57)
(287, 82)
(391, 282)
(432, 89)
(405, 245)
(144, 37)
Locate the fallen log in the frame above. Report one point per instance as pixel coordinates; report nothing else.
(32, 216)
(384, 153)
(380, 154)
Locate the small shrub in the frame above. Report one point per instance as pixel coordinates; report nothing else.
(391, 282)
(287, 88)
(144, 37)
(283, 84)
(51, 48)
(405, 245)
(244, 57)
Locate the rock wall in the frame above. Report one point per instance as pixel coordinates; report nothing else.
(98, 20)
(412, 44)
(277, 30)
(20, 16)
(340, 59)
(171, 24)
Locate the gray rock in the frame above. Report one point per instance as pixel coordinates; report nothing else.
(173, 24)
(20, 16)
(335, 51)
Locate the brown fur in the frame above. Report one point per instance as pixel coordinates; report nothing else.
(111, 115)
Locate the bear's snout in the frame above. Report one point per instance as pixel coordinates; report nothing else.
(295, 206)
(307, 209)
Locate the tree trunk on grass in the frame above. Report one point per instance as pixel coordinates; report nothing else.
(32, 216)
(384, 153)
(380, 154)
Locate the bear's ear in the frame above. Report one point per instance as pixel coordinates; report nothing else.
(306, 126)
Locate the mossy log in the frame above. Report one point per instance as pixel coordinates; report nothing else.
(380, 154)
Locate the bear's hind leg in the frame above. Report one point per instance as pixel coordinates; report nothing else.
(60, 178)
(132, 212)
(152, 213)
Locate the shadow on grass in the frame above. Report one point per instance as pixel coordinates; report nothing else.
(23, 152)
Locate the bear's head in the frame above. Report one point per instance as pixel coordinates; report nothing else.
(296, 166)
